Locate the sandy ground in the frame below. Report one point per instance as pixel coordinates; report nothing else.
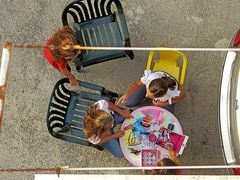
(24, 139)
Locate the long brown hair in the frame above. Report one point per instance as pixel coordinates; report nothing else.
(158, 87)
(97, 122)
(167, 162)
(62, 37)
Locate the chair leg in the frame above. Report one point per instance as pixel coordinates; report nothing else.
(109, 93)
(129, 52)
(97, 147)
(112, 95)
(113, 17)
(78, 65)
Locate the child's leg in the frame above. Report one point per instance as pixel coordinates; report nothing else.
(137, 97)
(170, 108)
(113, 147)
(117, 119)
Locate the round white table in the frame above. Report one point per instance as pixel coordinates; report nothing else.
(161, 116)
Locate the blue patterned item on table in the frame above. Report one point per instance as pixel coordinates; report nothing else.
(138, 126)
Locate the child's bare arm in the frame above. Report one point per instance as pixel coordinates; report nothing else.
(115, 135)
(182, 95)
(70, 76)
(173, 155)
(123, 112)
(130, 91)
(174, 100)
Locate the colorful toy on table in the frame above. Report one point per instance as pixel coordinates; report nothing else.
(154, 113)
(136, 152)
(179, 141)
(136, 149)
(142, 124)
(163, 137)
(149, 140)
(134, 142)
(170, 126)
(150, 157)
(167, 120)
(134, 138)
(146, 121)
(159, 118)
(140, 134)
(154, 127)
(152, 138)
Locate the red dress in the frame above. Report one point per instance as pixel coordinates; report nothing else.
(47, 54)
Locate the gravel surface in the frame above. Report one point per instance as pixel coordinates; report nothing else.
(24, 139)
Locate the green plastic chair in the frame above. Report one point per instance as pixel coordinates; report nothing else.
(98, 23)
(67, 107)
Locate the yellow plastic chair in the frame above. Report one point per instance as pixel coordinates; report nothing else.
(172, 62)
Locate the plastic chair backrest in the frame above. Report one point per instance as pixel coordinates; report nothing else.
(98, 23)
(169, 61)
(67, 108)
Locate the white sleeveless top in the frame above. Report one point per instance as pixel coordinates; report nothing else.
(149, 76)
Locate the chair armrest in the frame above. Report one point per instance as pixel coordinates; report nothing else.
(150, 58)
(65, 11)
(56, 86)
(91, 86)
(122, 19)
(109, 94)
(184, 67)
(104, 92)
(123, 26)
(57, 106)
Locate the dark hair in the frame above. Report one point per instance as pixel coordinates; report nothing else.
(158, 87)
(167, 162)
(61, 38)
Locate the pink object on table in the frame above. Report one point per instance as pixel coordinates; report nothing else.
(152, 138)
(178, 141)
(158, 114)
(150, 157)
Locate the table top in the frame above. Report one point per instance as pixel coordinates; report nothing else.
(159, 116)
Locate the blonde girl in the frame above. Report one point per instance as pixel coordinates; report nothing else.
(99, 123)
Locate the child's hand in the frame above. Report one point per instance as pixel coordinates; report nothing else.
(168, 146)
(119, 134)
(122, 99)
(128, 127)
(126, 114)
